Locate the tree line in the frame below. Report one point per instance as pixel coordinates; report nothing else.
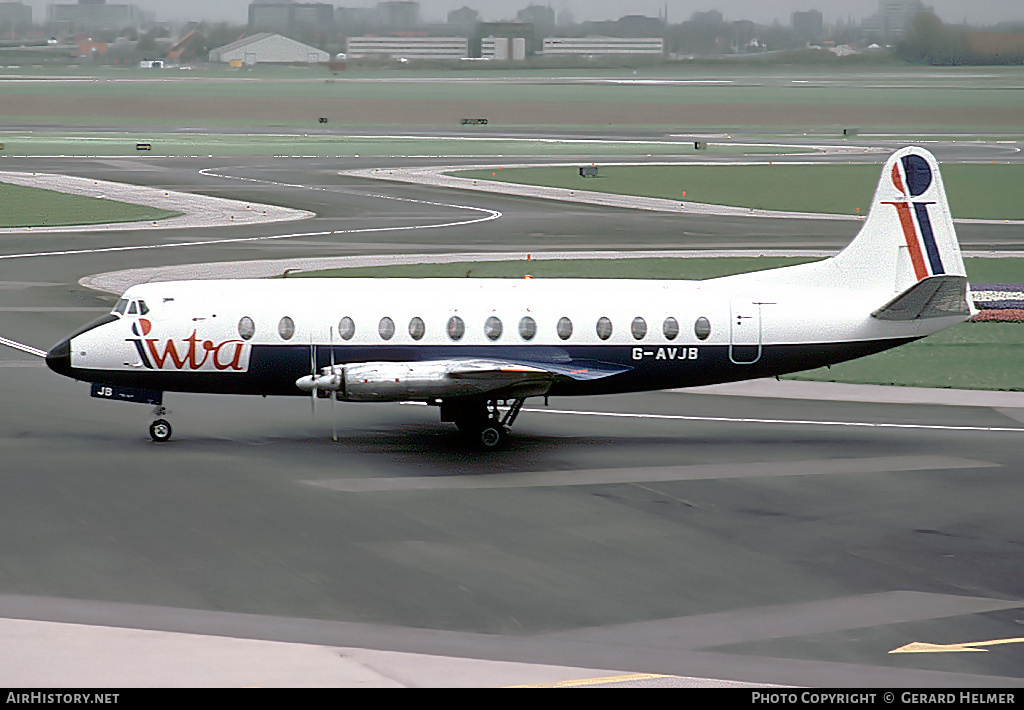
(929, 41)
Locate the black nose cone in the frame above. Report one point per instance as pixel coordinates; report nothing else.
(59, 358)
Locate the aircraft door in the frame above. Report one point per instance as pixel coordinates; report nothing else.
(745, 331)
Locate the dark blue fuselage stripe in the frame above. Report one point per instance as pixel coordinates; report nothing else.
(930, 247)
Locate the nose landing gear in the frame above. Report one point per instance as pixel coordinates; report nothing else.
(160, 430)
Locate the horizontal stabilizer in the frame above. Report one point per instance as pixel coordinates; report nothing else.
(931, 297)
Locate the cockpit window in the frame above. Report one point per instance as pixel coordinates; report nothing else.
(133, 309)
(143, 309)
(120, 307)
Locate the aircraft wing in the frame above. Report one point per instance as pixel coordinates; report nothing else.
(528, 369)
(451, 377)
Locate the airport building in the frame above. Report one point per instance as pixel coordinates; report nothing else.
(408, 47)
(595, 46)
(89, 15)
(893, 19)
(266, 48)
(503, 49)
(290, 16)
(15, 19)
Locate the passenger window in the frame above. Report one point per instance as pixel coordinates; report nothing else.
(286, 328)
(386, 328)
(246, 328)
(527, 328)
(604, 328)
(564, 328)
(456, 328)
(417, 329)
(346, 328)
(670, 328)
(702, 328)
(639, 328)
(492, 328)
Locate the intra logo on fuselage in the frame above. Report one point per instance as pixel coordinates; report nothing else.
(193, 353)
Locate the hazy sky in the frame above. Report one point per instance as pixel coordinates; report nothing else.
(762, 11)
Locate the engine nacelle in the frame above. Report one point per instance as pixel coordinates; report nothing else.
(411, 381)
(396, 381)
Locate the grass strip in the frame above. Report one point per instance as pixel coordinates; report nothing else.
(975, 191)
(327, 145)
(37, 207)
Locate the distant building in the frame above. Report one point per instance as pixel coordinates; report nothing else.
(893, 19)
(442, 48)
(540, 16)
(267, 48)
(399, 14)
(290, 16)
(711, 17)
(597, 46)
(503, 49)
(90, 15)
(808, 26)
(508, 30)
(628, 26)
(463, 17)
(15, 19)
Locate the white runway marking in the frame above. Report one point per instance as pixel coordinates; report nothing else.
(491, 214)
(22, 347)
(799, 422)
(488, 216)
(656, 474)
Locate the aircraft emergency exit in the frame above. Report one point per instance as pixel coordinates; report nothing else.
(477, 348)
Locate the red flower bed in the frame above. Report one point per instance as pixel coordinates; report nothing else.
(1000, 315)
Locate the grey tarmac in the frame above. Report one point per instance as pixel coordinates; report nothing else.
(216, 546)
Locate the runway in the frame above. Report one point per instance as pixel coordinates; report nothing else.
(692, 538)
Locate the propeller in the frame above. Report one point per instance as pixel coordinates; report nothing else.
(334, 395)
(329, 380)
(312, 371)
(308, 383)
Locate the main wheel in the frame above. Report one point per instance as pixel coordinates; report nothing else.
(160, 430)
(492, 436)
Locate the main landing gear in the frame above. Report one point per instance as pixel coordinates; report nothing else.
(160, 430)
(481, 421)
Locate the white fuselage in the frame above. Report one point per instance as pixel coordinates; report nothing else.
(267, 333)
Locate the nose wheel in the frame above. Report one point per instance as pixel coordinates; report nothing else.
(160, 430)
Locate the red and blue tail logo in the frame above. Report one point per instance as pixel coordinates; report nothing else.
(912, 177)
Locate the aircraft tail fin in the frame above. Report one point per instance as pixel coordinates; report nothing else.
(908, 236)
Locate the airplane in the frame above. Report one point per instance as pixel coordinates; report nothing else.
(478, 348)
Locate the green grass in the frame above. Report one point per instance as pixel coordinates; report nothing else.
(654, 268)
(326, 145)
(967, 356)
(979, 270)
(736, 95)
(975, 191)
(739, 86)
(36, 207)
